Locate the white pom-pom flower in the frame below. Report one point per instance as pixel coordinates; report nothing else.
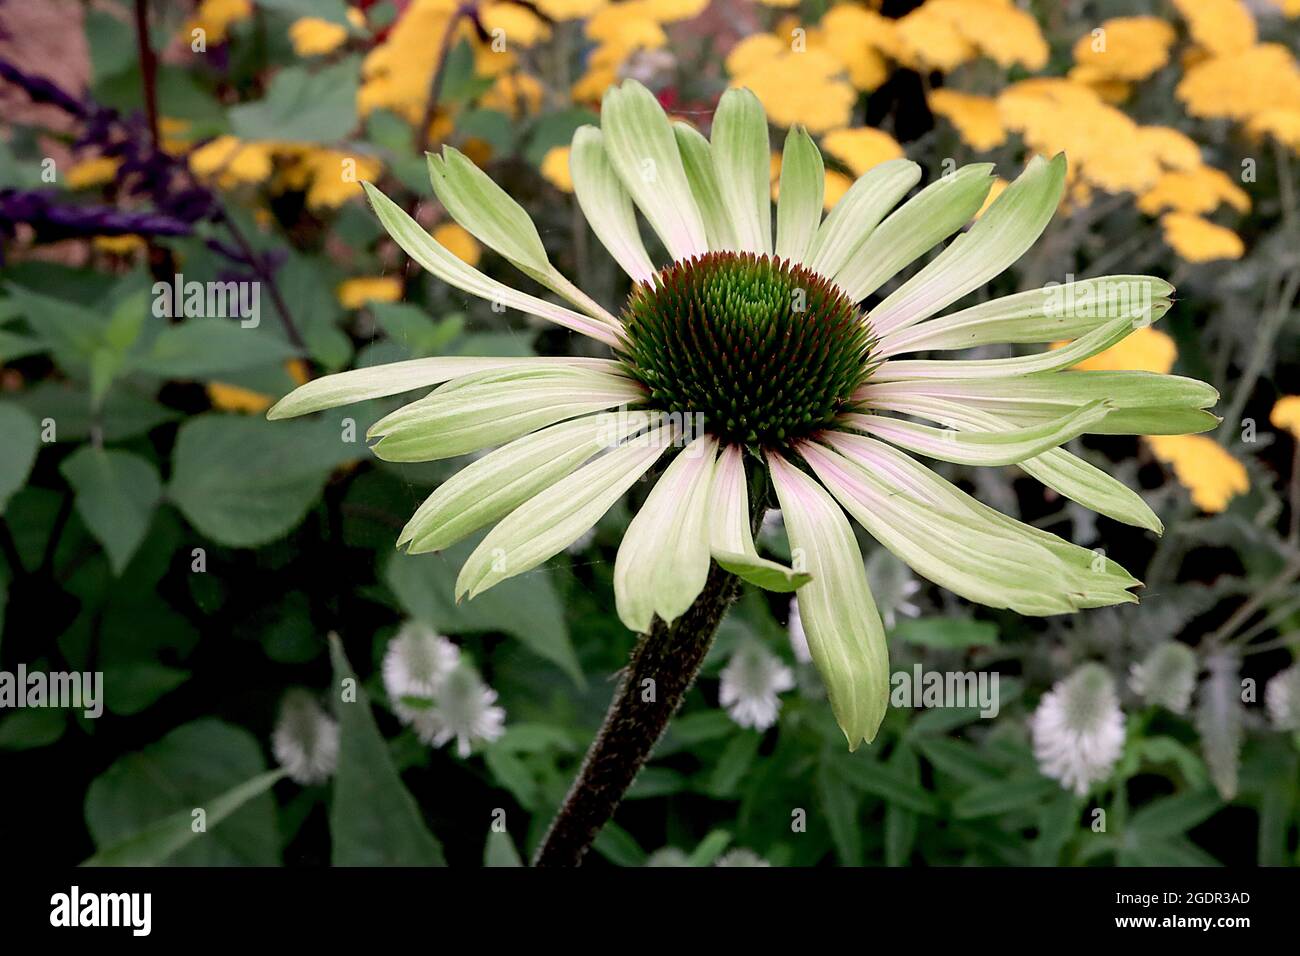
(416, 663)
(464, 709)
(305, 740)
(1282, 698)
(1078, 729)
(1166, 676)
(751, 683)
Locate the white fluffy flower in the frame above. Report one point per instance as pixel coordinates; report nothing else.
(305, 740)
(1282, 697)
(740, 857)
(893, 586)
(751, 682)
(798, 639)
(464, 708)
(416, 663)
(1166, 676)
(1078, 729)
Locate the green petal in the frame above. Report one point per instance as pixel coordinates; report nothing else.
(1053, 313)
(663, 561)
(925, 220)
(858, 213)
(1008, 227)
(742, 160)
(425, 250)
(360, 384)
(697, 160)
(799, 201)
(493, 407)
(1007, 446)
(550, 521)
(606, 204)
(730, 538)
(966, 554)
(839, 617)
(643, 149)
(491, 487)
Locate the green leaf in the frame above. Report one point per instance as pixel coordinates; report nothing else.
(20, 438)
(302, 106)
(1174, 816)
(201, 348)
(947, 632)
(709, 849)
(888, 784)
(901, 824)
(116, 493)
(500, 850)
(618, 846)
(526, 607)
(161, 840)
(31, 727)
(132, 688)
(840, 804)
(244, 482)
(731, 768)
(374, 821)
(1002, 796)
(191, 768)
(335, 11)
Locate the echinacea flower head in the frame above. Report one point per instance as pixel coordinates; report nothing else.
(464, 710)
(759, 361)
(305, 740)
(751, 684)
(1078, 729)
(415, 665)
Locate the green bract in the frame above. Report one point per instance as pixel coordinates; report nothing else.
(747, 359)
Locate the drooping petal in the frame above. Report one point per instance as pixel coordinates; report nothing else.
(999, 237)
(606, 204)
(663, 560)
(1067, 356)
(1147, 403)
(839, 617)
(697, 160)
(858, 213)
(1095, 577)
(1053, 313)
(425, 250)
(799, 202)
(488, 213)
(968, 556)
(742, 162)
(643, 149)
(493, 407)
(730, 538)
(1007, 446)
(361, 384)
(491, 487)
(925, 220)
(551, 520)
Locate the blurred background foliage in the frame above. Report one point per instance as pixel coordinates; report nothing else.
(156, 528)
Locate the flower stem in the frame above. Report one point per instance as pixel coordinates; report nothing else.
(662, 668)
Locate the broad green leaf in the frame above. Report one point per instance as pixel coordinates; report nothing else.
(839, 804)
(374, 821)
(302, 105)
(116, 493)
(951, 632)
(1003, 796)
(1174, 816)
(20, 438)
(201, 348)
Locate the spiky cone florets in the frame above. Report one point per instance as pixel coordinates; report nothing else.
(764, 349)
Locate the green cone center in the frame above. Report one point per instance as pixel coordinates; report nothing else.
(765, 350)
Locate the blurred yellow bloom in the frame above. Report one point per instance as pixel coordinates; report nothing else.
(1199, 240)
(783, 4)
(1282, 124)
(570, 9)
(118, 245)
(1171, 148)
(555, 168)
(232, 162)
(459, 243)
(1145, 350)
(515, 93)
(396, 74)
(1286, 414)
(975, 117)
(1203, 467)
(1198, 190)
(336, 177)
(943, 34)
(1221, 26)
(794, 87)
(92, 172)
(670, 11)
(1055, 115)
(996, 190)
(1123, 48)
(861, 149)
(860, 39)
(312, 36)
(1242, 85)
(354, 293)
(234, 398)
(518, 25)
(214, 18)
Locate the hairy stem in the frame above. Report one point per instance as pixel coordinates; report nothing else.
(663, 667)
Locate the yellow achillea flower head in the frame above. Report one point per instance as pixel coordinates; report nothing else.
(1199, 190)
(1282, 124)
(976, 117)
(312, 36)
(215, 17)
(943, 34)
(232, 162)
(96, 171)
(1286, 414)
(1203, 467)
(1172, 149)
(355, 293)
(1220, 26)
(795, 88)
(1199, 240)
(1123, 48)
(1242, 85)
(459, 243)
(861, 149)
(555, 168)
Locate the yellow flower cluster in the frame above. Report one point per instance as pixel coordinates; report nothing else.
(976, 118)
(1199, 240)
(620, 30)
(1219, 26)
(214, 18)
(1203, 467)
(944, 34)
(1122, 50)
(1286, 411)
(328, 177)
(312, 36)
(1258, 86)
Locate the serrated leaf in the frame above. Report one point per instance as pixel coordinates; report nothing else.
(116, 493)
